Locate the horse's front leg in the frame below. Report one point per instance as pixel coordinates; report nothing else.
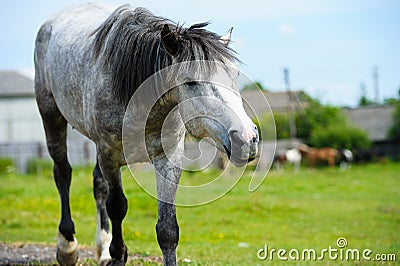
(116, 205)
(168, 175)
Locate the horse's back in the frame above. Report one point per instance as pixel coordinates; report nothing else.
(87, 16)
(63, 59)
(69, 27)
(332, 152)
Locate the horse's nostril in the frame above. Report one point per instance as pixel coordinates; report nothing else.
(247, 137)
(235, 136)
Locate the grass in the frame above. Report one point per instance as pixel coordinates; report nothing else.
(311, 209)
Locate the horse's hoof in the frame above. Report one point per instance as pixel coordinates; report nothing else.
(67, 251)
(123, 259)
(103, 247)
(116, 263)
(67, 259)
(105, 262)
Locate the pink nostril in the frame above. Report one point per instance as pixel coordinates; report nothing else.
(249, 134)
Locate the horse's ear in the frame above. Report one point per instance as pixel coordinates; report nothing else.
(226, 39)
(170, 41)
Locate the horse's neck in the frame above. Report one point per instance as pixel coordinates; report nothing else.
(160, 114)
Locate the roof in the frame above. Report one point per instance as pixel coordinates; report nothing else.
(375, 120)
(13, 84)
(278, 101)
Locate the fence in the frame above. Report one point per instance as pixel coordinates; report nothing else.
(80, 151)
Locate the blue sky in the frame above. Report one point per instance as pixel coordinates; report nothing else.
(330, 46)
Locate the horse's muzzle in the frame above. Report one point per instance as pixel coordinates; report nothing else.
(241, 150)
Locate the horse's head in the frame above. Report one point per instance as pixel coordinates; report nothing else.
(207, 95)
(216, 112)
(303, 149)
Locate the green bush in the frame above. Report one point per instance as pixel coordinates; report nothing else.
(266, 126)
(348, 137)
(36, 165)
(5, 164)
(394, 131)
(254, 86)
(317, 116)
(282, 125)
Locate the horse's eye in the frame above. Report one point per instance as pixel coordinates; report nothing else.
(191, 83)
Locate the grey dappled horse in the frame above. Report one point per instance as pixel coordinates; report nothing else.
(89, 61)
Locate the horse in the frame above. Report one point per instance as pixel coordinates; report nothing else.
(346, 157)
(293, 156)
(89, 62)
(372, 154)
(315, 155)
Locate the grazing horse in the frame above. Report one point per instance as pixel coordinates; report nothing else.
(89, 62)
(367, 155)
(346, 157)
(293, 156)
(315, 155)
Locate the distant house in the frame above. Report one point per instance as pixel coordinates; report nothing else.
(21, 132)
(19, 117)
(376, 121)
(279, 102)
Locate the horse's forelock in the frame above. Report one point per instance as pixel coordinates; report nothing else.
(129, 47)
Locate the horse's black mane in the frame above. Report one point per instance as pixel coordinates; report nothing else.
(129, 45)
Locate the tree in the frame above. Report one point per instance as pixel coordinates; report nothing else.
(326, 126)
(265, 124)
(317, 115)
(394, 131)
(364, 101)
(257, 85)
(282, 125)
(348, 137)
(393, 101)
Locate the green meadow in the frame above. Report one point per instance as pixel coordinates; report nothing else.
(290, 211)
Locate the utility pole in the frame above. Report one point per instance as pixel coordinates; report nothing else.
(292, 122)
(375, 76)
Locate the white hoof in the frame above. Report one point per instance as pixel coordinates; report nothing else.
(103, 247)
(67, 251)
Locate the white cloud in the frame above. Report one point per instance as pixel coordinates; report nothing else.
(286, 29)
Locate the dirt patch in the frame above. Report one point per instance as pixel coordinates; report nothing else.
(40, 254)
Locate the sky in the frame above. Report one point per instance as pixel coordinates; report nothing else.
(329, 46)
